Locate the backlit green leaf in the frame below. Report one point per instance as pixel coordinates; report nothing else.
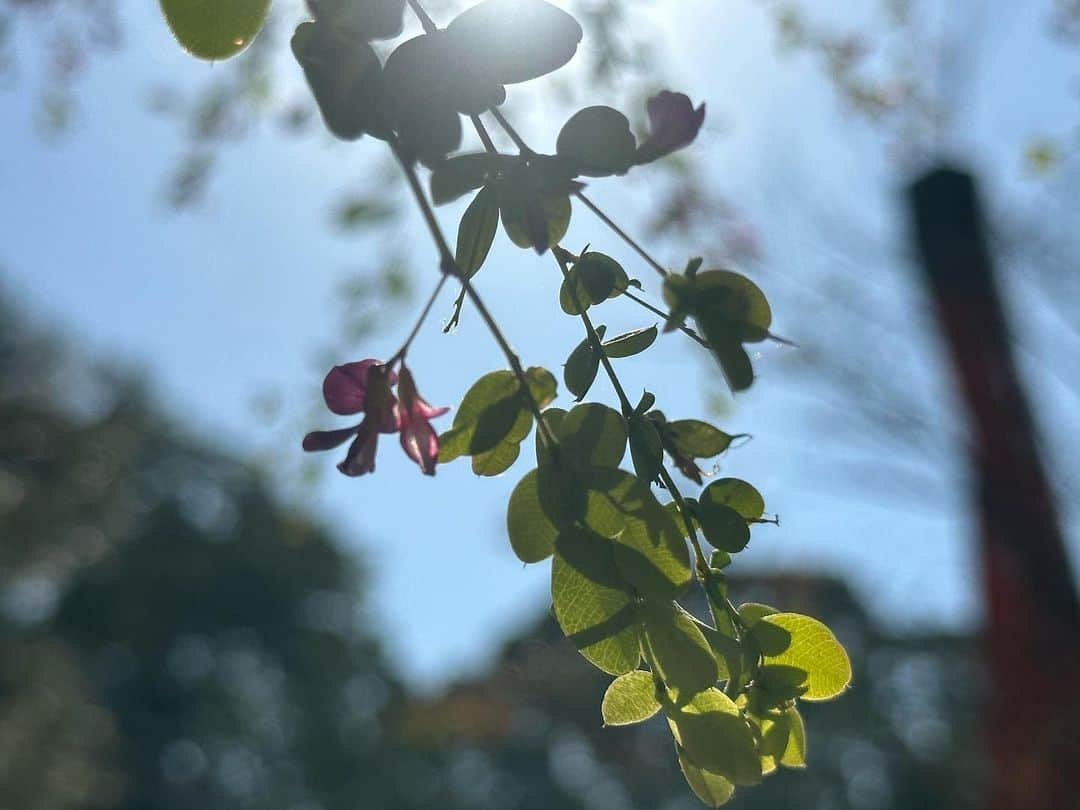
(722, 526)
(594, 435)
(713, 789)
(801, 642)
(214, 29)
(582, 366)
(630, 698)
(533, 517)
(591, 603)
(794, 755)
(631, 343)
(715, 737)
(739, 495)
(476, 232)
(677, 648)
(598, 141)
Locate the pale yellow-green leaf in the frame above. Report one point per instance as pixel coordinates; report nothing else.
(794, 640)
(630, 698)
(674, 644)
(591, 604)
(716, 737)
(713, 789)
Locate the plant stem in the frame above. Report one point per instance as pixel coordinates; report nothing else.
(419, 321)
(519, 142)
(594, 338)
(621, 233)
(702, 564)
(448, 266)
(425, 19)
(485, 138)
(686, 330)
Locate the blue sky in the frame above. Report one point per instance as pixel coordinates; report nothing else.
(220, 304)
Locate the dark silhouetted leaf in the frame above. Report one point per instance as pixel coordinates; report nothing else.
(581, 367)
(361, 19)
(645, 448)
(738, 494)
(598, 142)
(631, 343)
(215, 30)
(461, 174)
(593, 279)
(344, 78)
(476, 232)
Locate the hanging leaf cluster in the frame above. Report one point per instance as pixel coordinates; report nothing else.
(625, 545)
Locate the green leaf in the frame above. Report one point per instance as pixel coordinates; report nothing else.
(775, 729)
(630, 698)
(498, 459)
(722, 526)
(594, 435)
(713, 789)
(646, 450)
(631, 343)
(801, 642)
(677, 649)
(535, 514)
(595, 277)
(214, 29)
(582, 366)
(536, 222)
(490, 413)
(542, 385)
(715, 737)
(553, 417)
(598, 141)
(361, 19)
(725, 509)
(591, 604)
(650, 550)
(794, 755)
(461, 174)
(698, 439)
(476, 232)
(721, 296)
(344, 78)
(752, 612)
(738, 494)
(514, 40)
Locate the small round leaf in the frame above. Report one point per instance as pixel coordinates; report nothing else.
(630, 698)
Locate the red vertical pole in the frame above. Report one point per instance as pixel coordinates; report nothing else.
(1033, 616)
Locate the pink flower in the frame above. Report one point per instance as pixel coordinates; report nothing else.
(418, 438)
(673, 124)
(351, 388)
(367, 386)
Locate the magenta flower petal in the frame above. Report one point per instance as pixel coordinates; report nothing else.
(421, 444)
(360, 459)
(327, 439)
(673, 124)
(345, 387)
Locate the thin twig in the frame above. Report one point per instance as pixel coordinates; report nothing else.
(419, 321)
(659, 268)
(448, 265)
(686, 330)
